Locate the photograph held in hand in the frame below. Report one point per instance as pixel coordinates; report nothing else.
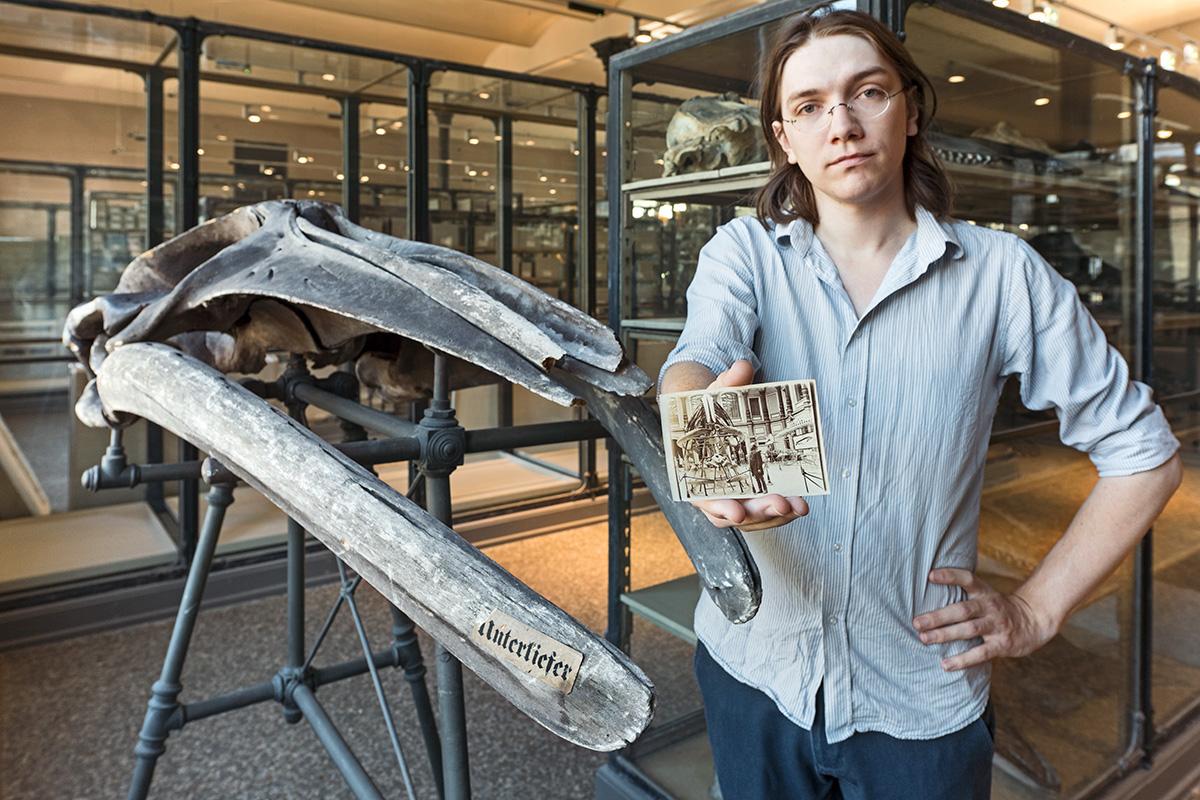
(745, 441)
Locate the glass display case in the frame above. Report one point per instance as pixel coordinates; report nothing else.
(1044, 135)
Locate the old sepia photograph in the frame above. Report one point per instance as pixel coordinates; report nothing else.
(744, 441)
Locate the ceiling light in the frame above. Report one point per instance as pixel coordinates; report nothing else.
(484, 173)
(472, 138)
(340, 176)
(380, 130)
(1000, 3)
(312, 192)
(491, 187)
(680, 206)
(1168, 60)
(253, 118)
(397, 125)
(643, 37)
(222, 137)
(1042, 101)
(1172, 180)
(1114, 39)
(365, 179)
(497, 138)
(266, 109)
(956, 78)
(1124, 114)
(173, 165)
(268, 170)
(542, 178)
(381, 165)
(199, 151)
(562, 180)
(1165, 133)
(554, 191)
(638, 212)
(225, 187)
(301, 159)
(484, 96)
(472, 173)
(328, 76)
(574, 151)
(1191, 53)
(530, 142)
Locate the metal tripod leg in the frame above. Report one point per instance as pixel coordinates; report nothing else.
(408, 651)
(165, 692)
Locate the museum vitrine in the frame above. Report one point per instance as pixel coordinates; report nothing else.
(1038, 130)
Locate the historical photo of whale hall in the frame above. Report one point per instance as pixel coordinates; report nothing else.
(745, 441)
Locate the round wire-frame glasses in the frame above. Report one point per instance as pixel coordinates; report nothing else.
(870, 103)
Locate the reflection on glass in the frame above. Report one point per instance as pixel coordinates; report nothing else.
(1038, 143)
(1176, 265)
(383, 155)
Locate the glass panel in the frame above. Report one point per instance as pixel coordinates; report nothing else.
(1176, 667)
(84, 128)
(78, 35)
(384, 168)
(1039, 142)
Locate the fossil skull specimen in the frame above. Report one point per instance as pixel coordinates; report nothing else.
(712, 132)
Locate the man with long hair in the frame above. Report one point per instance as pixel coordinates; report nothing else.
(865, 673)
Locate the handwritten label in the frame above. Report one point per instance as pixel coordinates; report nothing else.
(534, 653)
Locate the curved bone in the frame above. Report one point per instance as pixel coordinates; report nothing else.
(355, 296)
(580, 335)
(722, 561)
(387, 539)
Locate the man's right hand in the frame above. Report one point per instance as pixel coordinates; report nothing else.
(756, 513)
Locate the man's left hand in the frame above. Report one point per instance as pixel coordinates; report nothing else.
(1009, 625)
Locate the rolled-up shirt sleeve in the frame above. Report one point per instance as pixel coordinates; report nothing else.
(1064, 362)
(722, 311)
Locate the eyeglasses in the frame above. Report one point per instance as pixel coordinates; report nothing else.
(870, 103)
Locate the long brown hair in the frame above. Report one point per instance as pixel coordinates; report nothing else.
(788, 194)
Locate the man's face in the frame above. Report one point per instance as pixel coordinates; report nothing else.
(847, 156)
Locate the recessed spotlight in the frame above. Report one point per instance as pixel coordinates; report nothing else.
(484, 96)
(1000, 3)
(199, 151)
(365, 179)
(1168, 60)
(472, 173)
(255, 118)
(301, 159)
(530, 142)
(222, 137)
(225, 187)
(554, 191)
(381, 165)
(328, 76)
(643, 38)
(472, 140)
(1165, 133)
(266, 109)
(1042, 101)
(380, 130)
(174, 165)
(312, 192)
(484, 173)
(498, 138)
(543, 178)
(340, 176)
(1172, 180)
(1124, 114)
(268, 170)
(956, 78)
(397, 125)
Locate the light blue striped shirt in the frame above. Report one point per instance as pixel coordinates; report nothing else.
(907, 396)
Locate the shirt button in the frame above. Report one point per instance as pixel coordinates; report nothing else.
(853, 402)
(845, 473)
(837, 547)
(833, 620)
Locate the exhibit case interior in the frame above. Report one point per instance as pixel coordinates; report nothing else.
(1088, 155)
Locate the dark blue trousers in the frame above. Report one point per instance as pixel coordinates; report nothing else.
(760, 754)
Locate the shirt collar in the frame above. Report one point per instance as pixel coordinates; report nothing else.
(935, 238)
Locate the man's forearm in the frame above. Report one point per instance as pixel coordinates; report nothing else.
(686, 376)
(1116, 514)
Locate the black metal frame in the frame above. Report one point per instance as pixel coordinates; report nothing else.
(1143, 736)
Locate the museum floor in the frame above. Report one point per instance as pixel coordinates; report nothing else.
(69, 711)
